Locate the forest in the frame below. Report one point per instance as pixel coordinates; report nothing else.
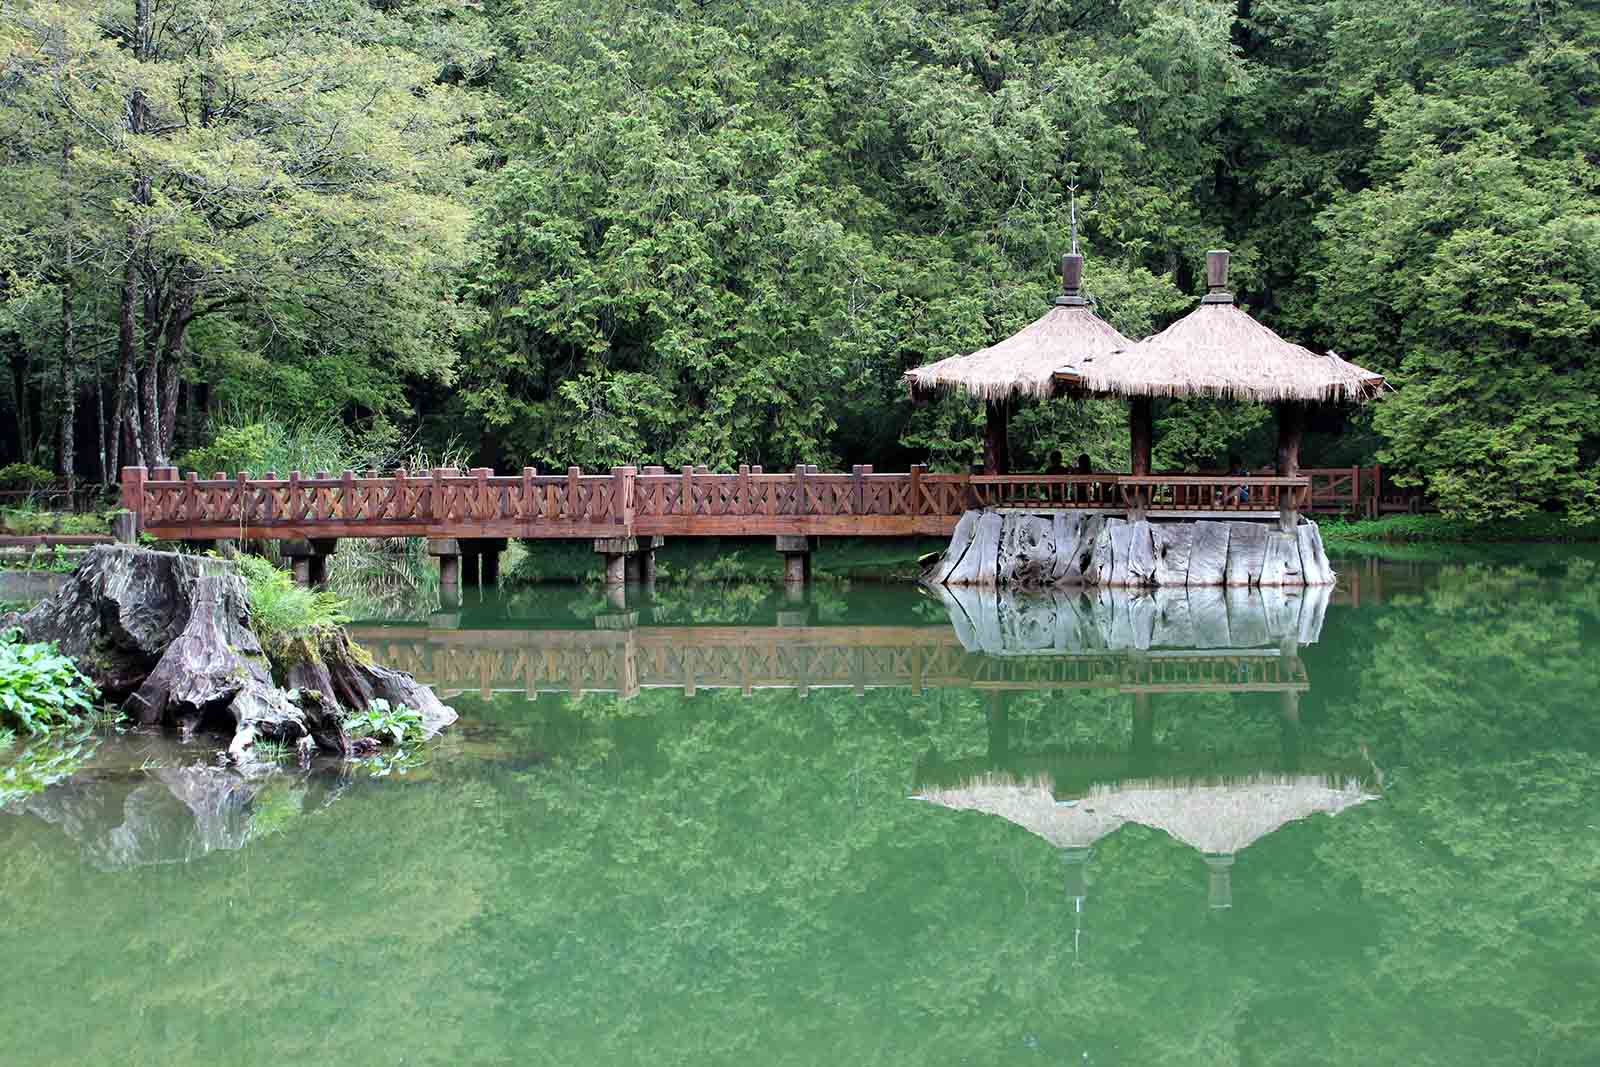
(593, 232)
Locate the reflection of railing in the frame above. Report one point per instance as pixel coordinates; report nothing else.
(801, 658)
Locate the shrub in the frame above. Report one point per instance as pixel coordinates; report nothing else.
(39, 687)
(25, 476)
(280, 609)
(398, 723)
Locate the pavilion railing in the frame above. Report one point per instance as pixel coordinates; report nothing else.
(1214, 493)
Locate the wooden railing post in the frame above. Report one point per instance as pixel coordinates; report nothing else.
(527, 507)
(129, 525)
(799, 496)
(573, 474)
(622, 495)
(1355, 490)
(917, 470)
(742, 500)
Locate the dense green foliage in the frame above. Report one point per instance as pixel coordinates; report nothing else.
(602, 231)
(280, 610)
(39, 687)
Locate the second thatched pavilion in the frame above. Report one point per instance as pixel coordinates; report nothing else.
(1219, 351)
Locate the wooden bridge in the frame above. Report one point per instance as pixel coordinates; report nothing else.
(801, 658)
(629, 502)
(470, 515)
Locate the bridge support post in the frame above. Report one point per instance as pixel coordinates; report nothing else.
(796, 551)
(480, 561)
(309, 559)
(447, 550)
(616, 551)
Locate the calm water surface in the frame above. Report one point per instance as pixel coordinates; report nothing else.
(873, 827)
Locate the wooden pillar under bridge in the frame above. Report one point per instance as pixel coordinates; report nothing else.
(997, 437)
(1141, 432)
(447, 550)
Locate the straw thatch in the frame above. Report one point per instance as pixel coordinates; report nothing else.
(1032, 806)
(1216, 818)
(1219, 351)
(1024, 364)
(1229, 817)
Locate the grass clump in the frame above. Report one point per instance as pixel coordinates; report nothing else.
(398, 722)
(39, 687)
(281, 611)
(1441, 529)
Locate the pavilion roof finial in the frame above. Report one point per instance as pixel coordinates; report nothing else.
(1217, 278)
(1072, 264)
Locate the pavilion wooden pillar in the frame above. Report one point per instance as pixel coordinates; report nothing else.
(1291, 428)
(1141, 431)
(996, 437)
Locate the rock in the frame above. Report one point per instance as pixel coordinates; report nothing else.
(1172, 541)
(1208, 554)
(1247, 550)
(1064, 528)
(171, 634)
(977, 564)
(1027, 551)
(119, 611)
(1077, 566)
(1102, 567)
(1314, 565)
(1141, 554)
(960, 542)
(1280, 563)
(216, 667)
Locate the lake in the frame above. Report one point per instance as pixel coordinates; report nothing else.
(871, 826)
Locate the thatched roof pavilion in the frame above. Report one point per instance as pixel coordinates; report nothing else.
(1024, 365)
(1219, 351)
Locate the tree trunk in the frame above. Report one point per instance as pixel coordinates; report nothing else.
(172, 358)
(66, 463)
(150, 380)
(127, 383)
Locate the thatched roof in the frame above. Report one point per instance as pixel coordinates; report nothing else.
(1025, 364)
(1215, 818)
(1227, 818)
(1219, 351)
(1032, 806)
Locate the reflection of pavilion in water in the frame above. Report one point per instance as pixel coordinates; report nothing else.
(1217, 803)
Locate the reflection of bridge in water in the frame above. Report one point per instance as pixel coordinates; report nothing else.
(1208, 642)
(799, 658)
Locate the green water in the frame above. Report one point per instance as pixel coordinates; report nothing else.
(637, 874)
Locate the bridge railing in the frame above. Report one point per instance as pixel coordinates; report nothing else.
(446, 502)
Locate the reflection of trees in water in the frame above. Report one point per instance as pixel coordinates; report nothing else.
(713, 878)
